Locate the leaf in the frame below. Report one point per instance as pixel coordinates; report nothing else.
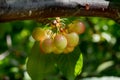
(79, 65)
(39, 65)
(67, 64)
(5, 28)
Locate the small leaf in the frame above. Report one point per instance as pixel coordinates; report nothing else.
(67, 64)
(40, 65)
(79, 65)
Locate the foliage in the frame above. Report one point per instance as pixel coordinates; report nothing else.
(99, 45)
(40, 66)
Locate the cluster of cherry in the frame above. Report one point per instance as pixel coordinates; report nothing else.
(59, 38)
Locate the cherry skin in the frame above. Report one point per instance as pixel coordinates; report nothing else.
(77, 26)
(72, 39)
(47, 45)
(60, 41)
(39, 34)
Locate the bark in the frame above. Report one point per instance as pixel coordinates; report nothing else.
(40, 9)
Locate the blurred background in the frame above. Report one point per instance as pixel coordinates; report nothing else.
(100, 45)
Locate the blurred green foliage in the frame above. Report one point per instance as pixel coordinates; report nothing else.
(99, 44)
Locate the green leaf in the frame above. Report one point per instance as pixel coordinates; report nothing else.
(70, 64)
(5, 28)
(79, 65)
(39, 65)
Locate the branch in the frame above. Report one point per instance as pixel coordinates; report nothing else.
(41, 9)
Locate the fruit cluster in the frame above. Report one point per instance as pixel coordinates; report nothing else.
(59, 38)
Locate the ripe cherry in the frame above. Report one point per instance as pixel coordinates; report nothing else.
(60, 41)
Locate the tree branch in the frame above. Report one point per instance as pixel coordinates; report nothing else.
(39, 9)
